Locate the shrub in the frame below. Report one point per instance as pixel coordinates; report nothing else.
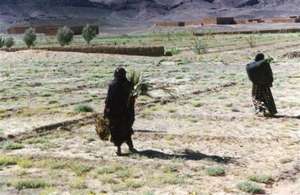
(215, 171)
(250, 187)
(140, 87)
(65, 36)
(88, 33)
(261, 179)
(200, 47)
(7, 160)
(29, 184)
(9, 42)
(251, 41)
(173, 51)
(11, 146)
(80, 169)
(2, 42)
(29, 37)
(83, 108)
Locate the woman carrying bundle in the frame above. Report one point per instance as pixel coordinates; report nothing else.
(260, 73)
(119, 110)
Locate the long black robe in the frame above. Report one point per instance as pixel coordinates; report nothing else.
(119, 111)
(261, 91)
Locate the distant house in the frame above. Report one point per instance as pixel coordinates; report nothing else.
(46, 29)
(226, 20)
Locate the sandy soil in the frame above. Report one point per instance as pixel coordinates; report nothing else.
(200, 116)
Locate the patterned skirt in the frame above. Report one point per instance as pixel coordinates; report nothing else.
(263, 99)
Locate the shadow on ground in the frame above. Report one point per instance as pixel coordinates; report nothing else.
(186, 155)
(286, 116)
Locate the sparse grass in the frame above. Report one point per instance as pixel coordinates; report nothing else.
(174, 51)
(83, 108)
(29, 184)
(170, 178)
(215, 171)
(200, 46)
(109, 169)
(195, 73)
(197, 104)
(7, 160)
(172, 110)
(11, 145)
(25, 163)
(170, 169)
(261, 179)
(48, 191)
(108, 179)
(119, 187)
(148, 193)
(251, 40)
(250, 187)
(133, 183)
(78, 183)
(37, 140)
(54, 164)
(80, 169)
(124, 173)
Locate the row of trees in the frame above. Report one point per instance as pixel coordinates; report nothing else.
(7, 42)
(64, 37)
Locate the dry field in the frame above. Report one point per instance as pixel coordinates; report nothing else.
(196, 134)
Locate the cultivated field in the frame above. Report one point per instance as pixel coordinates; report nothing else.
(197, 133)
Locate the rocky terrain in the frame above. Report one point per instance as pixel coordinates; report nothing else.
(136, 12)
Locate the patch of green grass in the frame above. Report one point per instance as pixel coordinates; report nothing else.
(11, 146)
(197, 104)
(48, 191)
(261, 179)
(7, 160)
(133, 183)
(171, 110)
(108, 179)
(29, 184)
(250, 187)
(80, 169)
(170, 169)
(54, 164)
(52, 102)
(124, 173)
(109, 169)
(215, 171)
(83, 108)
(78, 183)
(46, 95)
(171, 178)
(119, 187)
(148, 193)
(174, 51)
(36, 140)
(25, 163)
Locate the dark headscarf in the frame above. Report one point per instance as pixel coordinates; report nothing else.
(120, 73)
(259, 57)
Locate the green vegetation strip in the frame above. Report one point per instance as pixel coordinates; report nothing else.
(29, 184)
(250, 187)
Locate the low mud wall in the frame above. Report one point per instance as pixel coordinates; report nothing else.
(292, 30)
(140, 51)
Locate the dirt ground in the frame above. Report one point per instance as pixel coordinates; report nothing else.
(199, 119)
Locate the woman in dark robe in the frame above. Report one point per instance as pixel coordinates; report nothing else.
(119, 110)
(262, 78)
